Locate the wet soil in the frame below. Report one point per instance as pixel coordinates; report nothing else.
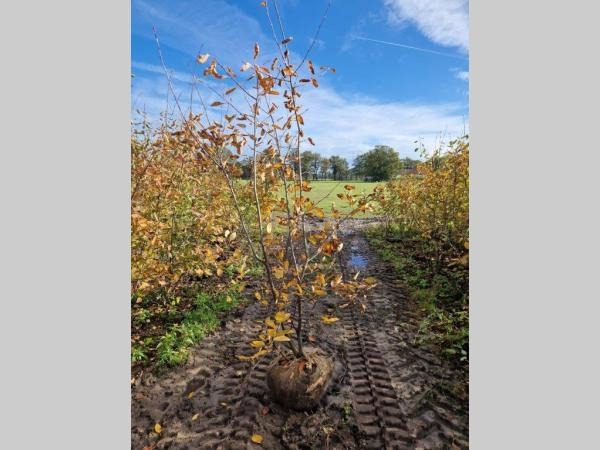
(387, 392)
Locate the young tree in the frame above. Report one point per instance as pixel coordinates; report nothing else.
(300, 262)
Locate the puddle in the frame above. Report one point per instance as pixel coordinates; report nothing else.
(357, 260)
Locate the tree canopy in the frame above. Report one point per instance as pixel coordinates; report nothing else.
(380, 164)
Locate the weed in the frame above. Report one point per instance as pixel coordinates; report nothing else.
(138, 354)
(174, 346)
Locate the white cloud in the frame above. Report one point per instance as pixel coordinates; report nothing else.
(463, 76)
(351, 125)
(345, 125)
(340, 123)
(174, 75)
(445, 22)
(212, 26)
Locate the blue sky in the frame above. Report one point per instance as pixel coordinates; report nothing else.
(401, 65)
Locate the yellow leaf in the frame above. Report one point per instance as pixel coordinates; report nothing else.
(270, 323)
(329, 319)
(281, 339)
(258, 354)
(281, 317)
(191, 394)
(157, 428)
(256, 438)
(219, 272)
(257, 295)
(318, 212)
(257, 344)
(370, 280)
(195, 416)
(269, 227)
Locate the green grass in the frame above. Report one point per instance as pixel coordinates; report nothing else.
(442, 297)
(174, 346)
(326, 192)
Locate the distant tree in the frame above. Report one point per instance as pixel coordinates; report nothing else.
(311, 162)
(407, 163)
(339, 167)
(325, 166)
(380, 164)
(245, 165)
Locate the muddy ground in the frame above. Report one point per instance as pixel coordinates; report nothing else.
(387, 392)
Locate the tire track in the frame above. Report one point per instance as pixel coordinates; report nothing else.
(432, 416)
(401, 395)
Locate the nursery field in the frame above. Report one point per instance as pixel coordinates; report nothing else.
(397, 358)
(272, 311)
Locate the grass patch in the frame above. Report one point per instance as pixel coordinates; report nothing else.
(167, 328)
(442, 297)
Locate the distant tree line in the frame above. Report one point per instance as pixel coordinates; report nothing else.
(379, 164)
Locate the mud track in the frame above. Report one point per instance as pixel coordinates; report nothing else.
(387, 391)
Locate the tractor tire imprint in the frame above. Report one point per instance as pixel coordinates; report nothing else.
(387, 392)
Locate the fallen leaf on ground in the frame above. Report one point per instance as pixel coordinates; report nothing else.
(329, 320)
(157, 428)
(256, 438)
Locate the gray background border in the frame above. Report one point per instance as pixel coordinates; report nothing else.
(534, 225)
(64, 181)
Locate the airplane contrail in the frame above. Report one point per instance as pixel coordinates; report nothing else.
(395, 44)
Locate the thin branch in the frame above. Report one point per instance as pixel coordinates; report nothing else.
(162, 61)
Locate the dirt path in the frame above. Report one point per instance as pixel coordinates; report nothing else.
(387, 392)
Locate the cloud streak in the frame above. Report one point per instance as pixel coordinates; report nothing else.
(397, 44)
(444, 22)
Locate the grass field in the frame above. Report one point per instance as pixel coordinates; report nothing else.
(326, 192)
